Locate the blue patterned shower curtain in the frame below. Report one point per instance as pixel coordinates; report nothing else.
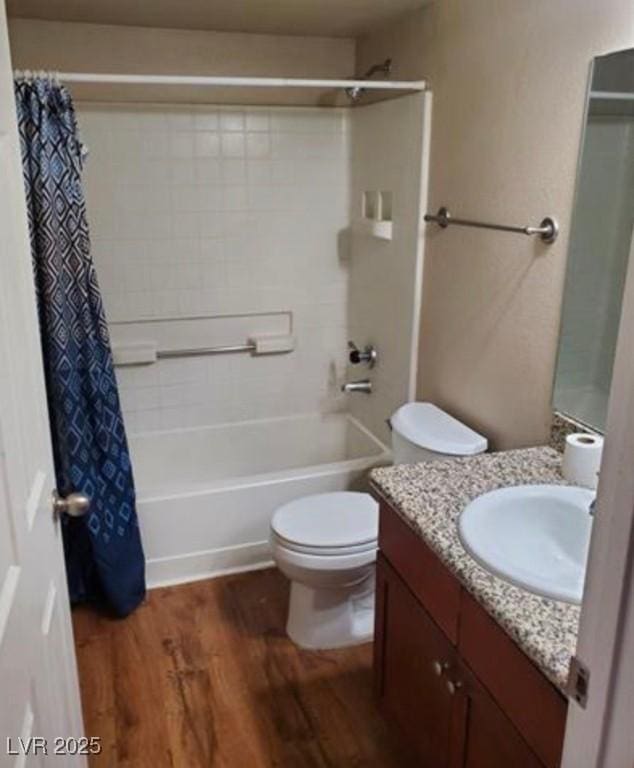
(104, 555)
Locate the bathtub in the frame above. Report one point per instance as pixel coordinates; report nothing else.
(205, 496)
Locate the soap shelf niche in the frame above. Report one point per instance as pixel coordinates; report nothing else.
(376, 214)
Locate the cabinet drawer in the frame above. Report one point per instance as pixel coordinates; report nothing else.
(530, 701)
(423, 572)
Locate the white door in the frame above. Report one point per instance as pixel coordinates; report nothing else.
(39, 695)
(600, 734)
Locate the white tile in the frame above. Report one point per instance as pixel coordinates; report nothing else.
(283, 172)
(183, 171)
(185, 224)
(156, 145)
(208, 171)
(206, 120)
(237, 223)
(171, 418)
(171, 395)
(234, 171)
(166, 303)
(147, 398)
(233, 145)
(181, 146)
(210, 224)
(180, 120)
(259, 171)
(258, 120)
(186, 198)
(233, 198)
(232, 121)
(146, 421)
(157, 171)
(258, 145)
(211, 198)
(136, 276)
(207, 144)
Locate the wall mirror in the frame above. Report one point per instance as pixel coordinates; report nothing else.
(600, 243)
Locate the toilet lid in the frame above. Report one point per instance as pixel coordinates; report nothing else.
(340, 519)
(428, 426)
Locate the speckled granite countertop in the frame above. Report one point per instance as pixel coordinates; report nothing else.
(430, 498)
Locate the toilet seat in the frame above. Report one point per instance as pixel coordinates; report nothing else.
(328, 524)
(323, 565)
(307, 549)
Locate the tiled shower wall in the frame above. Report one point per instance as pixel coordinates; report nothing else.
(214, 211)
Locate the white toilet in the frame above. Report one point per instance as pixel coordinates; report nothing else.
(326, 543)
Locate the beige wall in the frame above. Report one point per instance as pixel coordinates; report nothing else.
(508, 81)
(67, 47)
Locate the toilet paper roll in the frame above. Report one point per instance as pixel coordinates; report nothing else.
(582, 459)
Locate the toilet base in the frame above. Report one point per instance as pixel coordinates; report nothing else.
(323, 618)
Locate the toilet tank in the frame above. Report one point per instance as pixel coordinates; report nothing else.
(424, 432)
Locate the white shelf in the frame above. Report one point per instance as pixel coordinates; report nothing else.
(373, 228)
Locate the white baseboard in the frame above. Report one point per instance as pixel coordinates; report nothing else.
(194, 566)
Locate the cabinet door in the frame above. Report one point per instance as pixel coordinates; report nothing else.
(522, 692)
(486, 738)
(411, 654)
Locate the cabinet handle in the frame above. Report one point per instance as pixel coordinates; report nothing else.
(440, 667)
(453, 685)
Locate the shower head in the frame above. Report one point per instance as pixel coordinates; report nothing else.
(357, 91)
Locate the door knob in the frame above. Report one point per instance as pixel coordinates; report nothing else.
(74, 505)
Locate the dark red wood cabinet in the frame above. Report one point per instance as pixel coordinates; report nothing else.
(411, 691)
(467, 698)
(488, 738)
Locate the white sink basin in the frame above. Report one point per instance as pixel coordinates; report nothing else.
(535, 536)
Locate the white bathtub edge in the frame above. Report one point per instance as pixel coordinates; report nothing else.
(196, 566)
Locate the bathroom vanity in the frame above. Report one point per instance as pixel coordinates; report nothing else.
(469, 669)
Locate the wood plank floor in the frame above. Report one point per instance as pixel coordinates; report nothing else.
(204, 675)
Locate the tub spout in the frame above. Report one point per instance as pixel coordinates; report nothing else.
(365, 385)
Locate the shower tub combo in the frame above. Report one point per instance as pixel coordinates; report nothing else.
(206, 495)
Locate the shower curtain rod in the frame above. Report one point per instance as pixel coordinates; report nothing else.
(229, 82)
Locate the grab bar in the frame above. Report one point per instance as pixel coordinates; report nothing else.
(547, 230)
(250, 347)
(144, 353)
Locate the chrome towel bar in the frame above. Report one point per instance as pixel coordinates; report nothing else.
(547, 230)
(250, 347)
